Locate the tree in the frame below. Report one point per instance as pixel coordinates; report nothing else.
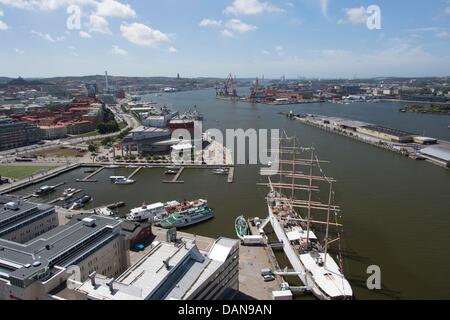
(92, 148)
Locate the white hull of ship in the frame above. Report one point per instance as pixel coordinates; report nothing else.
(294, 259)
(304, 273)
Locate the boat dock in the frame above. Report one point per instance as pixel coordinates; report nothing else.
(88, 178)
(135, 172)
(175, 178)
(231, 175)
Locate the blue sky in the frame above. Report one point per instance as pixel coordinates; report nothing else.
(249, 38)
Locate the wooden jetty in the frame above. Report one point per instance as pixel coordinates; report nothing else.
(88, 178)
(175, 179)
(135, 172)
(231, 175)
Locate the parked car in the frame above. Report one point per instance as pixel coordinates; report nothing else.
(269, 278)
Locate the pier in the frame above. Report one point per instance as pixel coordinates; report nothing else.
(175, 179)
(231, 175)
(135, 172)
(88, 178)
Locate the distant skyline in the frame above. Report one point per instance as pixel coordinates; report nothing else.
(249, 38)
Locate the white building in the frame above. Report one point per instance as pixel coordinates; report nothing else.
(171, 271)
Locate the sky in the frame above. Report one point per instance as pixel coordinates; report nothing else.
(212, 38)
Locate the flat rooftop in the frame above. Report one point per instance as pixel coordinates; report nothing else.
(440, 151)
(390, 131)
(167, 271)
(23, 211)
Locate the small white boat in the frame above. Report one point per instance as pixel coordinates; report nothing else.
(220, 171)
(104, 211)
(112, 166)
(68, 193)
(124, 181)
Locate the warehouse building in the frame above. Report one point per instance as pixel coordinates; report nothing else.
(385, 133)
(440, 153)
(22, 221)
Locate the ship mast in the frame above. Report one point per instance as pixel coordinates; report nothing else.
(308, 219)
(328, 223)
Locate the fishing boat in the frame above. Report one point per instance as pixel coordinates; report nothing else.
(187, 218)
(120, 180)
(173, 168)
(241, 227)
(172, 172)
(221, 171)
(297, 224)
(80, 203)
(68, 193)
(44, 190)
(104, 211)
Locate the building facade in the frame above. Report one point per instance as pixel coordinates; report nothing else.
(16, 134)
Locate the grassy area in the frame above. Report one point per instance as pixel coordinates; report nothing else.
(59, 153)
(21, 172)
(90, 134)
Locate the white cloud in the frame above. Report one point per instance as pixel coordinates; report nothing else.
(173, 50)
(85, 35)
(47, 36)
(210, 23)
(227, 33)
(98, 24)
(265, 52)
(73, 51)
(356, 15)
(3, 26)
(443, 34)
(45, 5)
(2, 13)
(113, 8)
(250, 7)
(116, 50)
(239, 26)
(278, 48)
(18, 51)
(143, 35)
(324, 7)
(447, 10)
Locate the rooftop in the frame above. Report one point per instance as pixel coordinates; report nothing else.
(168, 271)
(62, 246)
(390, 131)
(14, 212)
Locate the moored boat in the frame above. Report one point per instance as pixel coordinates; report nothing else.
(187, 218)
(44, 190)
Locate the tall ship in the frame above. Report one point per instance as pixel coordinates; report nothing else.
(307, 227)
